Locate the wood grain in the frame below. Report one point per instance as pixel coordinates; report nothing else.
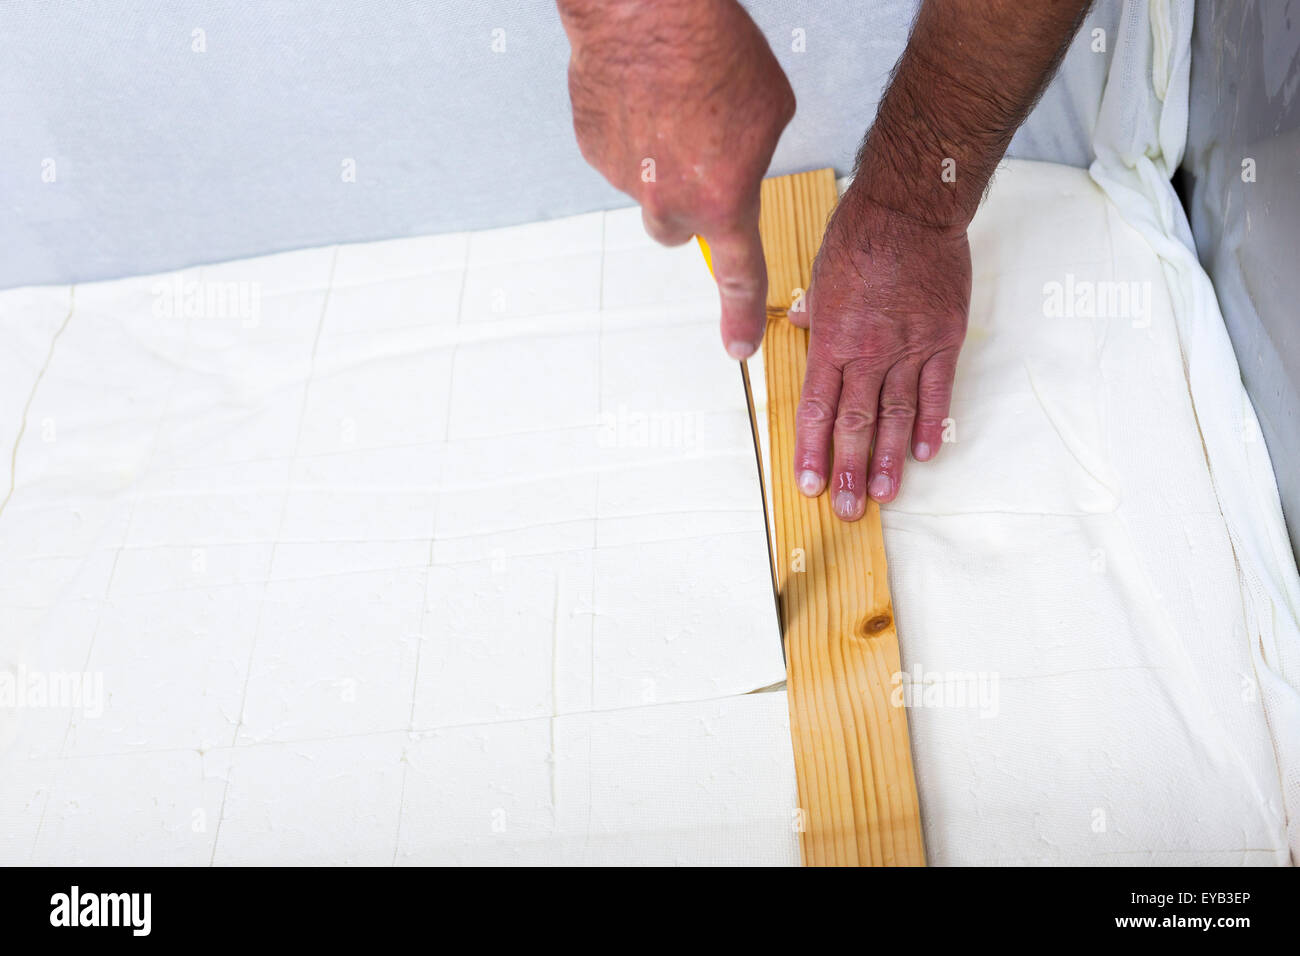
(853, 758)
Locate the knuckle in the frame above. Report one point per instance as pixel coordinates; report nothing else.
(950, 341)
(856, 361)
(854, 422)
(738, 285)
(653, 207)
(718, 203)
(788, 104)
(662, 201)
(933, 396)
(916, 353)
(815, 411)
(897, 407)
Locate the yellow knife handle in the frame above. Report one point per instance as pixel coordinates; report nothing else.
(708, 256)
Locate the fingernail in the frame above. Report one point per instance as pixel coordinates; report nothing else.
(846, 506)
(922, 451)
(881, 486)
(741, 350)
(810, 483)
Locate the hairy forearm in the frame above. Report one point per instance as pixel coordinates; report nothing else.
(972, 71)
(662, 43)
(667, 21)
(585, 15)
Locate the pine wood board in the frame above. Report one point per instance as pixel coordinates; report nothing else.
(853, 760)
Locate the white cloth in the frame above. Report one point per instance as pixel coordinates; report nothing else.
(387, 573)
(1139, 141)
(448, 549)
(442, 549)
(1065, 565)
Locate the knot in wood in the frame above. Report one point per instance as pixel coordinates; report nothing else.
(874, 625)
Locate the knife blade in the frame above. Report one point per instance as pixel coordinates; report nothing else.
(758, 461)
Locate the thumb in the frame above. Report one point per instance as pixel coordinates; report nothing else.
(741, 275)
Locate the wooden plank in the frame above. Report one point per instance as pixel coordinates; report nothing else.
(853, 758)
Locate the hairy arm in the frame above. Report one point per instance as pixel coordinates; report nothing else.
(972, 71)
(891, 286)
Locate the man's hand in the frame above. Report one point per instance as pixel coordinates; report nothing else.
(891, 285)
(680, 103)
(887, 305)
